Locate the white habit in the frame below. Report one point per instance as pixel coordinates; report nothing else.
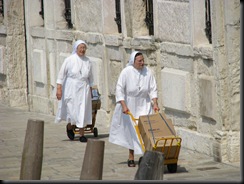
(137, 89)
(76, 78)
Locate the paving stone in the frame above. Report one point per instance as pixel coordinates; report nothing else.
(63, 158)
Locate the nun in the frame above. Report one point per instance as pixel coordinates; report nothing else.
(136, 92)
(74, 91)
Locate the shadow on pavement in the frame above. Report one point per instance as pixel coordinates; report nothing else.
(89, 136)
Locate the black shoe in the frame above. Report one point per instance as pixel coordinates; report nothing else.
(131, 163)
(70, 133)
(83, 139)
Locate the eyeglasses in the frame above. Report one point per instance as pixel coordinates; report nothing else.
(83, 48)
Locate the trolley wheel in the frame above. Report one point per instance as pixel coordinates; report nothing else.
(172, 168)
(95, 132)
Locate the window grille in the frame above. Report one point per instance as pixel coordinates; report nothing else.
(149, 16)
(208, 29)
(67, 13)
(42, 10)
(1, 8)
(118, 15)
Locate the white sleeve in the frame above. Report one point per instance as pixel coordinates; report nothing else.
(120, 87)
(62, 73)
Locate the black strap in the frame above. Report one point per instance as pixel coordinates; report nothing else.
(151, 130)
(167, 124)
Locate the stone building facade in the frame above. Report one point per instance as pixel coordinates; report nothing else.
(198, 74)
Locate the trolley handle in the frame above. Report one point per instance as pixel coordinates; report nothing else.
(137, 130)
(132, 117)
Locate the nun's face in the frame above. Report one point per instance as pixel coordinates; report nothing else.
(139, 62)
(81, 49)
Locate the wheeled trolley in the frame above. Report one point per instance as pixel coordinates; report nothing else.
(169, 146)
(90, 128)
(96, 105)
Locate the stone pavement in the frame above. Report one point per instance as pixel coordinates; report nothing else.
(62, 158)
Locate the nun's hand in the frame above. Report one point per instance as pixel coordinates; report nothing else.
(156, 108)
(59, 93)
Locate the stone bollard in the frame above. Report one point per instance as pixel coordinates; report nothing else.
(92, 168)
(151, 166)
(31, 163)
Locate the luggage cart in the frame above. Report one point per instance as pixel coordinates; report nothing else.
(96, 105)
(170, 157)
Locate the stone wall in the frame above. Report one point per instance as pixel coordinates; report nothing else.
(13, 76)
(198, 82)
